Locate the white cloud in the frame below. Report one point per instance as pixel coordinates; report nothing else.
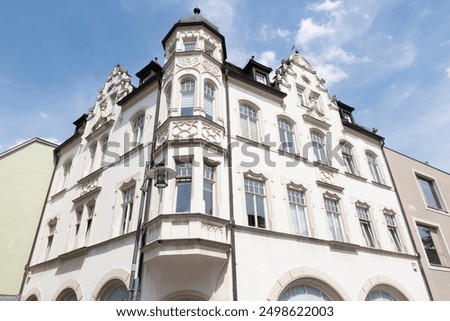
(402, 55)
(331, 73)
(447, 71)
(268, 33)
(326, 6)
(310, 31)
(44, 115)
(268, 58)
(339, 55)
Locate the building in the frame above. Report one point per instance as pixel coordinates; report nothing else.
(25, 174)
(245, 188)
(424, 192)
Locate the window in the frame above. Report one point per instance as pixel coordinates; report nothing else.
(208, 101)
(304, 292)
(189, 46)
(373, 166)
(187, 98)
(366, 226)
(104, 144)
(249, 121)
(429, 190)
(67, 295)
(379, 295)
(393, 233)
(127, 209)
(254, 200)
(92, 152)
(78, 217)
(115, 290)
(262, 78)
(286, 131)
(138, 128)
(90, 217)
(301, 96)
(334, 219)
(297, 208)
(168, 93)
(347, 155)
(318, 143)
(209, 50)
(66, 172)
(428, 235)
(184, 187)
(208, 188)
(347, 117)
(51, 234)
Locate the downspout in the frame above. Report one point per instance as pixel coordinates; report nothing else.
(27, 266)
(408, 228)
(135, 277)
(230, 189)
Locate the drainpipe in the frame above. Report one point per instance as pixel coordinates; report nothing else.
(230, 190)
(146, 192)
(408, 228)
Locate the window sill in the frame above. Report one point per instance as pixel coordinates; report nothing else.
(437, 210)
(381, 185)
(252, 142)
(344, 246)
(437, 267)
(354, 176)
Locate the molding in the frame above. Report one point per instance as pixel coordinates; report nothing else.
(330, 186)
(315, 121)
(251, 174)
(87, 195)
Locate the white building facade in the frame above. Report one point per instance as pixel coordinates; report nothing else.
(276, 193)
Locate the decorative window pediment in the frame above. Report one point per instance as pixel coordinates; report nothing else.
(253, 175)
(299, 187)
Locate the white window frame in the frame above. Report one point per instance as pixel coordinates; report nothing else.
(184, 176)
(287, 135)
(301, 96)
(298, 210)
(255, 199)
(138, 128)
(393, 232)
(319, 146)
(249, 122)
(209, 175)
(362, 210)
(90, 210)
(187, 97)
(66, 173)
(261, 77)
(208, 100)
(433, 189)
(372, 161)
(334, 218)
(348, 157)
(189, 45)
(128, 194)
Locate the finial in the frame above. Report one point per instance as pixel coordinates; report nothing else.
(197, 10)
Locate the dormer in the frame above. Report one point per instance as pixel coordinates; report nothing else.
(195, 34)
(345, 111)
(257, 71)
(149, 71)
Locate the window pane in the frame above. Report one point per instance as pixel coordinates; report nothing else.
(428, 244)
(260, 211)
(183, 196)
(208, 196)
(430, 193)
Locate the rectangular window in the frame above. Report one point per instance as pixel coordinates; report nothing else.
(189, 46)
(286, 131)
(78, 216)
(429, 190)
(334, 219)
(187, 98)
(261, 78)
(90, 217)
(66, 172)
(208, 188)
(366, 226)
(208, 101)
(249, 121)
(318, 143)
(51, 234)
(254, 200)
(92, 152)
(428, 235)
(301, 96)
(127, 209)
(184, 187)
(297, 208)
(393, 233)
(374, 170)
(347, 155)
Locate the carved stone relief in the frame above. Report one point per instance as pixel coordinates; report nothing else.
(185, 129)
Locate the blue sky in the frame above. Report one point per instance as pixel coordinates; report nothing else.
(388, 59)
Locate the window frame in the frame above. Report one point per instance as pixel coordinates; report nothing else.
(255, 201)
(334, 218)
(365, 223)
(128, 195)
(187, 95)
(209, 177)
(209, 96)
(440, 249)
(183, 178)
(349, 159)
(393, 232)
(318, 141)
(433, 189)
(137, 128)
(374, 167)
(249, 116)
(298, 210)
(285, 132)
(189, 45)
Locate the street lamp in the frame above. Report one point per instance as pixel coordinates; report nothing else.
(161, 175)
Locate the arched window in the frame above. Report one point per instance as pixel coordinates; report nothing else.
(374, 168)
(138, 128)
(318, 142)
(249, 122)
(32, 298)
(304, 292)
(347, 155)
(104, 146)
(114, 290)
(208, 101)
(67, 295)
(286, 131)
(187, 98)
(379, 295)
